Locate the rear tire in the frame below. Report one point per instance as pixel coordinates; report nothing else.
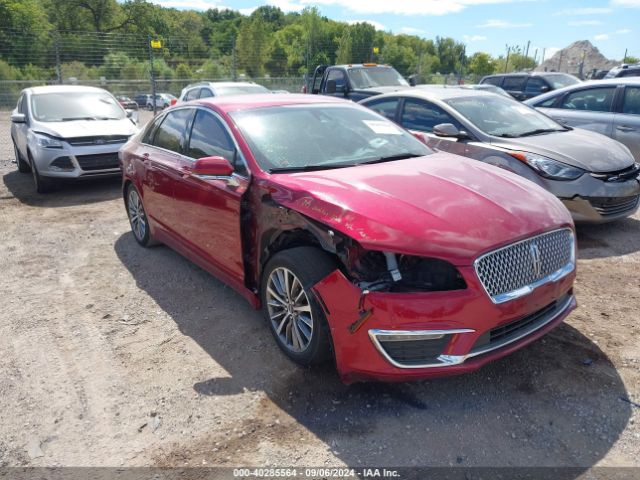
(291, 308)
(43, 184)
(23, 166)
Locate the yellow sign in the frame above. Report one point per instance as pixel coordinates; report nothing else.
(156, 44)
(376, 50)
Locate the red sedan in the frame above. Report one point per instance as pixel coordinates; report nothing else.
(358, 242)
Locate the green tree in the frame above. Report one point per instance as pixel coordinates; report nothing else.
(450, 54)
(253, 47)
(482, 64)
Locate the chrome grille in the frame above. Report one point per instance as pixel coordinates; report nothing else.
(517, 269)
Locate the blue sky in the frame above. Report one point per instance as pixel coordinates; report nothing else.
(486, 25)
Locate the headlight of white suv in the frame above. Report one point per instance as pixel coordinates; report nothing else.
(548, 167)
(47, 142)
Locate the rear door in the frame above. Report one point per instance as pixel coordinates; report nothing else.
(590, 108)
(514, 85)
(626, 123)
(161, 157)
(209, 207)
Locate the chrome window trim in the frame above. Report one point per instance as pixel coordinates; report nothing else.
(450, 360)
(527, 289)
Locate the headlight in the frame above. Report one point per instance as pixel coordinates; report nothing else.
(47, 142)
(547, 167)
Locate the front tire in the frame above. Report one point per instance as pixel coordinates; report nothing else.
(23, 166)
(138, 218)
(43, 184)
(294, 315)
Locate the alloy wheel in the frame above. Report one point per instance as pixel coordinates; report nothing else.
(289, 309)
(137, 216)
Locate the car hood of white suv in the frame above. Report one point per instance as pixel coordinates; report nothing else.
(86, 128)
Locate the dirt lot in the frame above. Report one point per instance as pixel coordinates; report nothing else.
(115, 355)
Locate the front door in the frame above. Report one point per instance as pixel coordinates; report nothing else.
(208, 209)
(626, 124)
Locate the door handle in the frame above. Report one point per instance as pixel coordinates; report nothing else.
(625, 128)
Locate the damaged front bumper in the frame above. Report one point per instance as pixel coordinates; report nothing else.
(409, 336)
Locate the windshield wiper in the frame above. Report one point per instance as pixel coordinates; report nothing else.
(71, 119)
(311, 168)
(539, 131)
(391, 158)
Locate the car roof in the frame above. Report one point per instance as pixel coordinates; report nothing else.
(533, 74)
(634, 81)
(249, 102)
(63, 89)
(220, 84)
(435, 92)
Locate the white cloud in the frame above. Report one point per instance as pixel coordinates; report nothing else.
(571, 12)
(622, 31)
(247, 11)
(286, 5)
(377, 25)
(602, 36)
(190, 4)
(580, 23)
(502, 24)
(413, 31)
(626, 3)
(406, 7)
(474, 38)
(550, 52)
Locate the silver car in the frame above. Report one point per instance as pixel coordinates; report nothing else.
(594, 176)
(68, 132)
(610, 107)
(219, 89)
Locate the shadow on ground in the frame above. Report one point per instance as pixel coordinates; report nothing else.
(555, 403)
(67, 193)
(609, 239)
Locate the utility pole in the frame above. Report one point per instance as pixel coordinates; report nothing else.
(535, 56)
(506, 63)
(234, 62)
(56, 40)
(560, 61)
(624, 60)
(153, 76)
(526, 54)
(544, 50)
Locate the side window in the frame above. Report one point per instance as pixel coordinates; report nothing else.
(547, 103)
(514, 83)
(534, 85)
(148, 134)
(170, 135)
(631, 72)
(209, 138)
(340, 78)
(191, 94)
(386, 107)
(205, 93)
(492, 81)
(423, 116)
(590, 99)
(20, 105)
(631, 103)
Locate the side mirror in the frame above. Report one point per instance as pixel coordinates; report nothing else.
(212, 167)
(18, 118)
(448, 130)
(544, 88)
(413, 81)
(331, 86)
(420, 136)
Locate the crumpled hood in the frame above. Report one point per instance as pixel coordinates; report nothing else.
(441, 205)
(86, 128)
(578, 147)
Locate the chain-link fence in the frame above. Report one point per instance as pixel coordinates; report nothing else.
(136, 64)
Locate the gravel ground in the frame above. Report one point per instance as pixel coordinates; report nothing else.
(115, 355)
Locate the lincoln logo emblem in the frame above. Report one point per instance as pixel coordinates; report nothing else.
(536, 261)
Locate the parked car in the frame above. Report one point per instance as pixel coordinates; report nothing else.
(354, 82)
(219, 89)
(127, 103)
(358, 241)
(624, 70)
(484, 87)
(594, 176)
(68, 132)
(610, 107)
(142, 99)
(522, 86)
(163, 100)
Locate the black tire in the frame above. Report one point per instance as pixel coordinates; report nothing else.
(43, 184)
(23, 166)
(142, 235)
(309, 265)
